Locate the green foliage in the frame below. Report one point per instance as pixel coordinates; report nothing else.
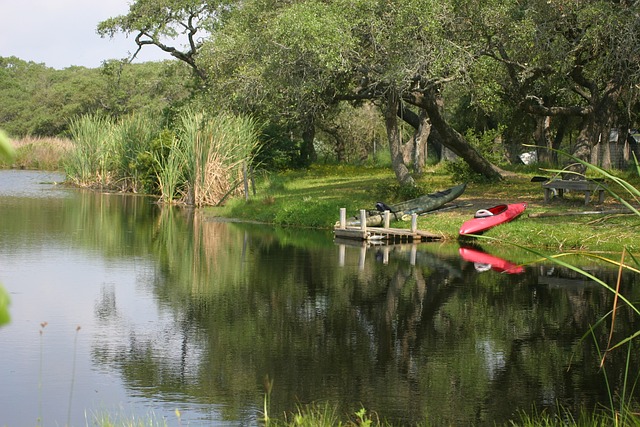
(488, 144)
(460, 171)
(4, 306)
(41, 101)
(7, 152)
(277, 151)
(148, 163)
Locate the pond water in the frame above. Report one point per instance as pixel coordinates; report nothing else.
(123, 309)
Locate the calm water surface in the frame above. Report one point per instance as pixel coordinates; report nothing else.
(125, 308)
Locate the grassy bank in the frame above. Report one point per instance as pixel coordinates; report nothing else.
(312, 198)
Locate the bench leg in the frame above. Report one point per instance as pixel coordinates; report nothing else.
(547, 194)
(587, 197)
(600, 196)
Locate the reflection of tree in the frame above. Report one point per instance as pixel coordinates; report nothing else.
(415, 338)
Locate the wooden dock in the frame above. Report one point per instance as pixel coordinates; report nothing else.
(383, 234)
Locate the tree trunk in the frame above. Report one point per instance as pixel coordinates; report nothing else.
(542, 138)
(307, 149)
(587, 138)
(432, 102)
(395, 143)
(421, 136)
(594, 129)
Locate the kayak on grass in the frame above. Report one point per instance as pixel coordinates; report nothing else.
(420, 205)
(484, 219)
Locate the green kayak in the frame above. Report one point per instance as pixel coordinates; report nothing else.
(420, 205)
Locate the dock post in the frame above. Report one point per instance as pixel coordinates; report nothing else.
(341, 255)
(363, 220)
(343, 218)
(387, 219)
(414, 223)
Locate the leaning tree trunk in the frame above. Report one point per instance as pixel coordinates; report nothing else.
(395, 143)
(432, 102)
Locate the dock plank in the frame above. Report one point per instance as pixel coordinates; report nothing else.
(388, 234)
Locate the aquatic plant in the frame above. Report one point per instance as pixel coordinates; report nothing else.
(199, 163)
(215, 149)
(90, 160)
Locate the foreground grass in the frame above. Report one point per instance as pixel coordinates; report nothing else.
(326, 416)
(313, 198)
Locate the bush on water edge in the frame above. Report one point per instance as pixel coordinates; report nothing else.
(199, 162)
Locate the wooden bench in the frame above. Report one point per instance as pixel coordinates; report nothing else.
(585, 186)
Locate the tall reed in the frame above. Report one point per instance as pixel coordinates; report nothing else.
(199, 163)
(170, 170)
(132, 135)
(215, 149)
(90, 162)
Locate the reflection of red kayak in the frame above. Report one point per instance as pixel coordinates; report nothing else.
(480, 259)
(485, 219)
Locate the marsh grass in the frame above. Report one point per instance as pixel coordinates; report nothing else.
(170, 172)
(132, 135)
(91, 161)
(198, 163)
(215, 150)
(38, 153)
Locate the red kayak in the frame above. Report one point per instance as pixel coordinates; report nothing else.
(485, 219)
(483, 261)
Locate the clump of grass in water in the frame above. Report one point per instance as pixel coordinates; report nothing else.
(105, 419)
(88, 163)
(215, 149)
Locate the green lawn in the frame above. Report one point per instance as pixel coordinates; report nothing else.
(312, 198)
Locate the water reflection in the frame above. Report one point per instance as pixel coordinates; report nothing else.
(483, 261)
(179, 311)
